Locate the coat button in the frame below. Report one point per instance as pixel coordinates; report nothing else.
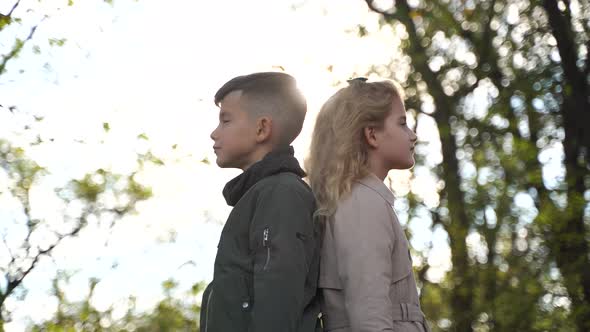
(245, 305)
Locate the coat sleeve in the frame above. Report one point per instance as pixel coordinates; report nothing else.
(364, 240)
(280, 235)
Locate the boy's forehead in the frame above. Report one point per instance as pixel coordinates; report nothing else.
(231, 100)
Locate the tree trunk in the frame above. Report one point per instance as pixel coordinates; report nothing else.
(568, 243)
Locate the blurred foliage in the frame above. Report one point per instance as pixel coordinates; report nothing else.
(97, 197)
(507, 85)
(13, 20)
(173, 313)
(100, 196)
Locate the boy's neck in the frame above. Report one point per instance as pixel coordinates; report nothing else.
(257, 155)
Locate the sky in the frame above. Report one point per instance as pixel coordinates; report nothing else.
(152, 67)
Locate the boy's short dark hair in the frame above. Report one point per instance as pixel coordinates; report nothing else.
(270, 93)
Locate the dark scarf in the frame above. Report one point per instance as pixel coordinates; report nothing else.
(278, 161)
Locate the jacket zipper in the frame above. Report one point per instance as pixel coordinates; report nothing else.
(266, 244)
(208, 310)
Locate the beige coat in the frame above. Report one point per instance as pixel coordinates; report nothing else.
(366, 270)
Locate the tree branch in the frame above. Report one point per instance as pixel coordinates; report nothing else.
(12, 258)
(5, 20)
(587, 70)
(488, 54)
(13, 8)
(13, 283)
(576, 78)
(385, 14)
(465, 34)
(18, 45)
(567, 12)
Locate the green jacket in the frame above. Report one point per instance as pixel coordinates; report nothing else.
(267, 263)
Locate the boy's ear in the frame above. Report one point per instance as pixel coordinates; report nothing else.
(370, 136)
(263, 129)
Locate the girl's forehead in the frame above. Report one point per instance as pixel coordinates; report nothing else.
(397, 108)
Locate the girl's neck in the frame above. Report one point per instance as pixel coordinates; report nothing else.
(376, 167)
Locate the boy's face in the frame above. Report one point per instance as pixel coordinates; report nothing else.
(396, 139)
(235, 136)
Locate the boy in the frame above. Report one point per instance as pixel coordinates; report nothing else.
(267, 262)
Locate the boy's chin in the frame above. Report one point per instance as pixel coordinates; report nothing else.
(221, 163)
(225, 164)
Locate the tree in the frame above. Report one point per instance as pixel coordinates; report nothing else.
(508, 82)
(98, 197)
(169, 314)
(14, 18)
(5, 21)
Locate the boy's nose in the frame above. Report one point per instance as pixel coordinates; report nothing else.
(213, 134)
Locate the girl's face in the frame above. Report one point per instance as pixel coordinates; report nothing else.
(395, 140)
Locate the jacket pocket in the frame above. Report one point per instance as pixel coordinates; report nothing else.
(261, 248)
(266, 246)
(230, 305)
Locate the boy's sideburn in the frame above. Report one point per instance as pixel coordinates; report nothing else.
(266, 268)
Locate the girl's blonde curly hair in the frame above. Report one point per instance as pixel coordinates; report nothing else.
(339, 151)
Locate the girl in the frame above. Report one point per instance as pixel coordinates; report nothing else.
(366, 276)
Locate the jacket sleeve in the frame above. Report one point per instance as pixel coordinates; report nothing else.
(364, 240)
(280, 238)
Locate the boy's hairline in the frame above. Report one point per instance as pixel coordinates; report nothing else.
(247, 82)
(244, 100)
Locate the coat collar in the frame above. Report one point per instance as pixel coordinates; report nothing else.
(277, 161)
(373, 182)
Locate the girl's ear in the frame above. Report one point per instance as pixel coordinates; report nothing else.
(370, 136)
(263, 129)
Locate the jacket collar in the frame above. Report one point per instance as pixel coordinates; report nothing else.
(373, 182)
(277, 161)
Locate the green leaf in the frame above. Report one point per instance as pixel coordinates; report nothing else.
(4, 21)
(57, 42)
(361, 30)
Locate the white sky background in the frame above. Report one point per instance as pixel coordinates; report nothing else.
(152, 67)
